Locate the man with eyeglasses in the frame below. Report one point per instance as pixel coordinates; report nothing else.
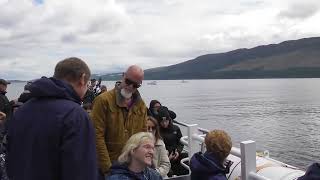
(118, 114)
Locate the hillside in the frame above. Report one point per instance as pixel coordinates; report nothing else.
(289, 59)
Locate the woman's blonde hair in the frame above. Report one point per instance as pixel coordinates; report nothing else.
(134, 142)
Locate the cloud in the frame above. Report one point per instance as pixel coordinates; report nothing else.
(112, 34)
(300, 10)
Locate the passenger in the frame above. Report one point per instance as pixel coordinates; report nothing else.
(51, 137)
(210, 165)
(15, 105)
(171, 135)
(154, 108)
(136, 159)
(90, 95)
(117, 115)
(3, 133)
(103, 89)
(161, 160)
(26, 94)
(3, 172)
(5, 105)
(312, 173)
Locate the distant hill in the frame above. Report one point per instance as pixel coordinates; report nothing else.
(289, 59)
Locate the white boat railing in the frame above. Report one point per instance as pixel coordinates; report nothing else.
(247, 151)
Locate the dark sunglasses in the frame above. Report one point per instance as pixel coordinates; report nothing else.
(134, 84)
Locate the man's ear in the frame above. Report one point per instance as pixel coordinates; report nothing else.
(83, 80)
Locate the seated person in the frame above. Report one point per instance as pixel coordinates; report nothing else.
(210, 165)
(161, 160)
(136, 159)
(171, 135)
(154, 108)
(313, 173)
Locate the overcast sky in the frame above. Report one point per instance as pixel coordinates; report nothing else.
(112, 34)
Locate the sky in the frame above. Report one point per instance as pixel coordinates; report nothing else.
(110, 35)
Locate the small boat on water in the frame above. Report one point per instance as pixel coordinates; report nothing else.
(247, 164)
(152, 83)
(184, 81)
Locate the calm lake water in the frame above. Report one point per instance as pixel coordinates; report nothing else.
(281, 115)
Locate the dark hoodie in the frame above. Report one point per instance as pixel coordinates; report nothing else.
(170, 135)
(51, 137)
(121, 171)
(206, 167)
(313, 173)
(154, 114)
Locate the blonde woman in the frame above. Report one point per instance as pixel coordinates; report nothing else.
(161, 160)
(136, 159)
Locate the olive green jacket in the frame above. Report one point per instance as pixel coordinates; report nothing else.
(113, 129)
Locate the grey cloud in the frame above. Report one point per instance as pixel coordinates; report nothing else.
(69, 38)
(300, 11)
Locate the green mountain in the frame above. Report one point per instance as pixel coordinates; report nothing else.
(289, 59)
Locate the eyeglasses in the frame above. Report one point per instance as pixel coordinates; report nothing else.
(151, 128)
(134, 84)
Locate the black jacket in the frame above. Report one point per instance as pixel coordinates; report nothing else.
(171, 137)
(5, 105)
(206, 167)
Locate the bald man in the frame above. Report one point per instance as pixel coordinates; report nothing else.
(118, 114)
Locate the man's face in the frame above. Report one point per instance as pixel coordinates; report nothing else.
(3, 88)
(156, 106)
(81, 87)
(130, 83)
(144, 153)
(93, 83)
(165, 122)
(84, 89)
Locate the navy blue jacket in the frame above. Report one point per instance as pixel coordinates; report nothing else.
(206, 167)
(121, 172)
(313, 173)
(51, 137)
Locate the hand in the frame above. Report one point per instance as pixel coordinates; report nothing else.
(2, 117)
(176, 155)
(171, 155)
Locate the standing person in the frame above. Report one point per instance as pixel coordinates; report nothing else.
(117, 115)
(90, 94)
(161, 160)
(51, 137)
(209, 166)
(136, 158)
(171, 135)
(5, 105)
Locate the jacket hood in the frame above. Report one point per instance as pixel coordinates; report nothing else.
(53, 88)
(206, 165)
(123, 169)
(152, 103)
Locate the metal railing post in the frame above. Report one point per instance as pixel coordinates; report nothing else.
(192, 146)
(248, 158)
